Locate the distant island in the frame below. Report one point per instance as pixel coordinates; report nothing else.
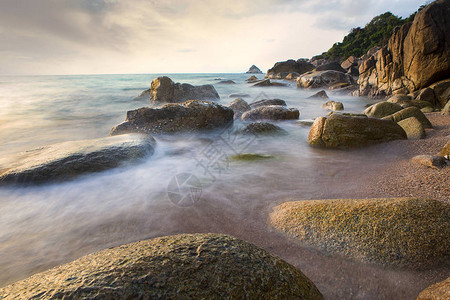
(254, 70)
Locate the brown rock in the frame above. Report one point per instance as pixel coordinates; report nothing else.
(319, 95)
(333, 105)
(267, 82)
(413, 128)
(431, 161)
(263, 128)
(265, 102)
(289, 66)
(446, 150)
(441, 90)
(322, 79)
(382, 109)
(426, 95)
(410, 112)
(446, 109)
(271, 112)
(438, 291)
(239, 106)
(187, 266)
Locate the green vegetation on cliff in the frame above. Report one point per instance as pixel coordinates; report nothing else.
(376, 33)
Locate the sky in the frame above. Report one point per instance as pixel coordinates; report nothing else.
(174, 36)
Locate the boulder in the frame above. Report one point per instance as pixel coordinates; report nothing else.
(187, 266)
(238, 95)
(341, 131)
(164, 90)
(333, 105)
(438, 291)
(322, 79)
(291, 76)
(252, 79)
(239, 106)
(427, 109)
(263, 128)
(382, 109)
(402, 232)
(271, 112)
(410, 112)
(267, 82)
(417, 55)
(319, 95)
(265, 102)
(400, 98)
(335, 66)
(192, 115)
(413, 128)
(441, 91)
(226, 82)
(426, 95)
(349, 62)
(446, 150)
(64, 161)
(431, 161)
(254, 70)
(289, 66)
(446, 110)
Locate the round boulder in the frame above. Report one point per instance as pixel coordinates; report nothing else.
(410, 112)
(404, 232)
(271, 112)
(188, 266)
(239, 106)
(413, 128)
(382, 109)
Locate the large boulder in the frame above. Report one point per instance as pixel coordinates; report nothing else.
(254, 70)
(66, 160)
(188, 266)
(271, 112)
(163, 90)
(413, 128)
(265, 102)
(441, 91)
(341, 131)
(335, 66)
(320, 79)
(438, 291)
(382, 109)
(410, 112)
(416, 56)
(290, 66)
(192, 115)
(239, 106)
(404, 232)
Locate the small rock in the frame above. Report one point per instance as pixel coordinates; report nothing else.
(267, 82)
(265, 102)
(319, 95)
(333, 105)
(271, 112)
(252, 78)
(238, 95)
(263, 128)
(226, 82)
(446, 150)
(239, 106)
(250, 157)
(307, 123)
(432, 161)
(413, 128)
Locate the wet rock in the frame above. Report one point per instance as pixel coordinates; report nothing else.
(307, 123)
(264, 102)
(187, 266)
(226, 82)
(263, 128)
(322, 79)
(238, 95)
(164, 90)
(413, 128)
(438, 291)
(267, 82)
(239, 106)
(145, 95)
(271, 112)
(341, 131)
(254, 70)
(250, 157)
(407, 113)
(289, 66)
(66, 160)
(252, 78)
(402, 232)
(333, 105)
(193, 115)
(319, 95)
(382, 109)
(431, 161)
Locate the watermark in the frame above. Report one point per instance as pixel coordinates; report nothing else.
(185, 189)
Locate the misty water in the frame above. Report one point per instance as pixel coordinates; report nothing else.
(46, 225)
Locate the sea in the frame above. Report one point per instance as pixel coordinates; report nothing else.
(188, 185)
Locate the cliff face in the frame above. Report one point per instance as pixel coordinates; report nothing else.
(417, 55)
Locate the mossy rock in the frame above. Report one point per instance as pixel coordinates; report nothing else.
(402, 232)
(250, 157)
(438, 291)
(188, 266)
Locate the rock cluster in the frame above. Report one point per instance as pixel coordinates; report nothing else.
(281, 69)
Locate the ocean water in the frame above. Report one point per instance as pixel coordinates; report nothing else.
(43, 226)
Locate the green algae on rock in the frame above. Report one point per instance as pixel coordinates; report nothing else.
(187, 266)
(402, 232)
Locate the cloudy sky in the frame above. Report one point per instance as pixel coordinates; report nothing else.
(164, 36)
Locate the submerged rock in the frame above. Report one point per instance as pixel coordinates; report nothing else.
(263, 128)
(193, 115)
(382, 109)
(164, 90)
(319, 95)
(252, 78)
(271, 112)
(250, 157)
(238, 95)
(341, 131)
(267, 82)
(320, 79)
(410, 112)
(265, 102)
(187, 266)
(239, 106)
(404, 232)
(438, 291)
(226, 82)
(413, 128)
(66, 160)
